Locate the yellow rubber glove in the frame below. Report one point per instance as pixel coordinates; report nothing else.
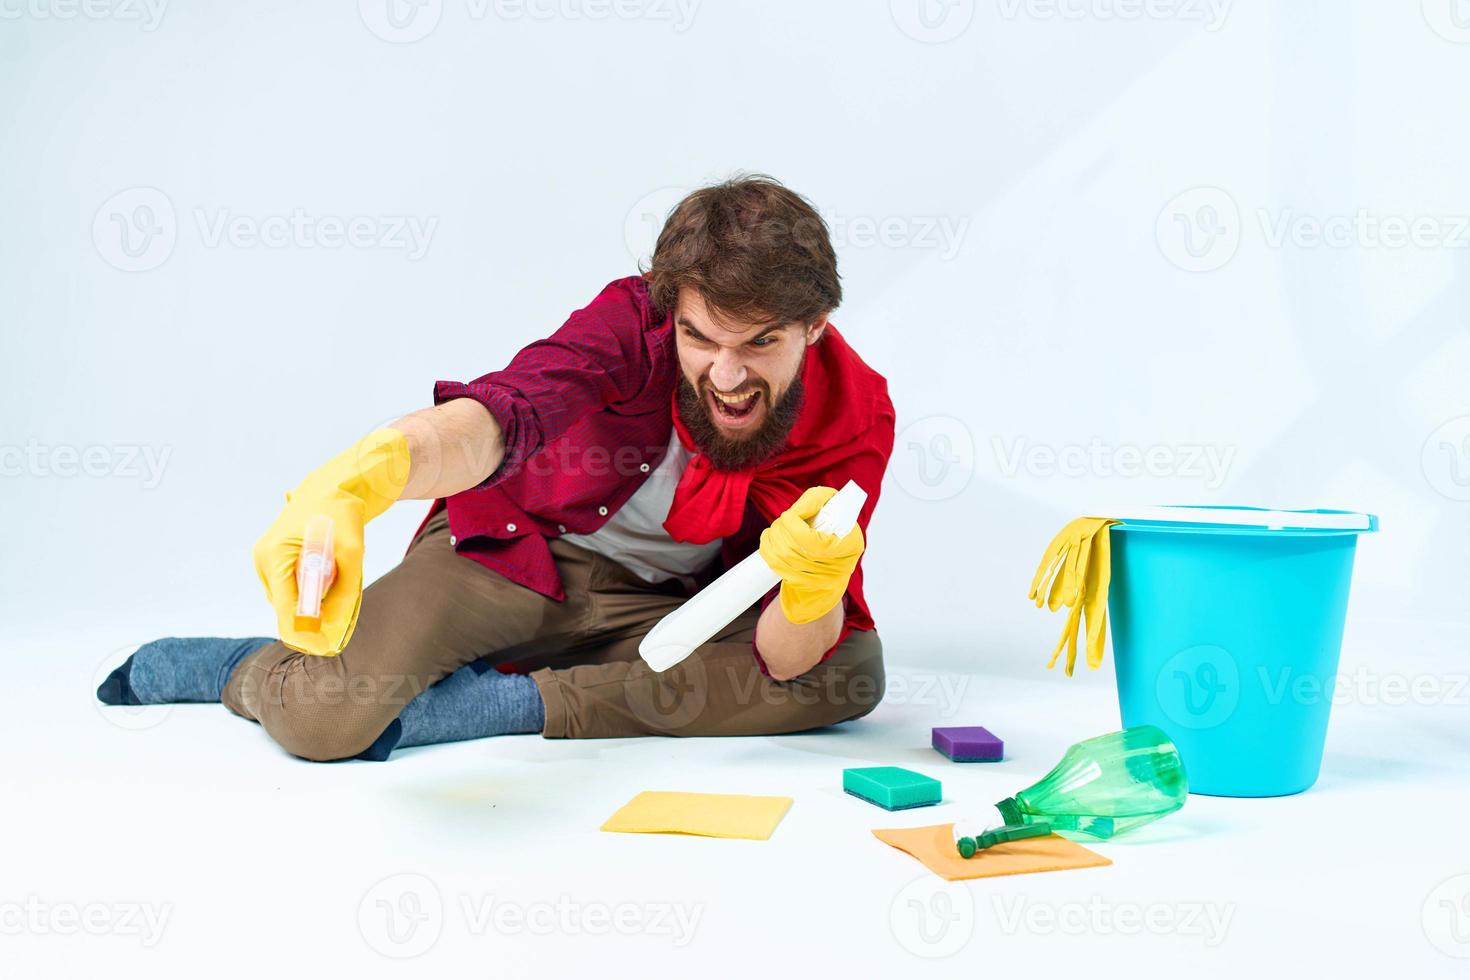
(814, 566)
(352, 489)
(1075, 572)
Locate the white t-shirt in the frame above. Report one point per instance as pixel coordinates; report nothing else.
(634, 536)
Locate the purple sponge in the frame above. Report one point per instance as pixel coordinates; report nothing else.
(969, 744)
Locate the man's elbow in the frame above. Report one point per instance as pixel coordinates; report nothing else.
(782, 675)
(790, 650)
(788, 665)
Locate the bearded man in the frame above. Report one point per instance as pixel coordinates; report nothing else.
(685, 418)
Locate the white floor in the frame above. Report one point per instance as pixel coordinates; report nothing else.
(180, 841)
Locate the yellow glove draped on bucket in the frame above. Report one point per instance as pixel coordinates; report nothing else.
(814, 566)
(1075, 572)
(351, 489)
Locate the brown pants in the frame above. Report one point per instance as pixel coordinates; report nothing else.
(438, 611)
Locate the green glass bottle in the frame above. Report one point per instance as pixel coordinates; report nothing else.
(1106, 785)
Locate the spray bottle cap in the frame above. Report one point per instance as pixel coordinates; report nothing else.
(314, 572)
(841, 512)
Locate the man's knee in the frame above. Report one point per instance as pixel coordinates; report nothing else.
(864, 678)
(325, 734)
(314, 711)
(847, 685)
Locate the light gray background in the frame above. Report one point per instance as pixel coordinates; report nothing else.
(1083, 232)
(997, 200)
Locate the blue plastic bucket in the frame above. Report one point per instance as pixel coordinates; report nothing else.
(1227, 635)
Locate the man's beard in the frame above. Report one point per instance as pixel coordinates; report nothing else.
(725, 453)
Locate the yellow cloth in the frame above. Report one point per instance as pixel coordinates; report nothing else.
(934, 846)
(701, 814)
(1075, 572)
(351, 489)
(814, 566)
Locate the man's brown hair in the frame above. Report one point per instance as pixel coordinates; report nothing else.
(755, 250)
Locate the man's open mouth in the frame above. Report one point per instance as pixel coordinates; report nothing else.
(734, 409)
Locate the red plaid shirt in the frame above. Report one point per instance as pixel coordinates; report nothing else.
(586, 416)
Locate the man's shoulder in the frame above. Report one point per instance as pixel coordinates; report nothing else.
(866, 388)
(624, 303)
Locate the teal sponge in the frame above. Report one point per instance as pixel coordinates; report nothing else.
(890, 787)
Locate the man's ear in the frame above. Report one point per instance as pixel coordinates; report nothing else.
(815, 330)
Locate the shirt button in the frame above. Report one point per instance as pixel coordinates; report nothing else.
(602, 511)
(643, 468)
(453, 541)
(562, 528)
(510, 527)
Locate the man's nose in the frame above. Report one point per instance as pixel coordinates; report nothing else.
(727, 373)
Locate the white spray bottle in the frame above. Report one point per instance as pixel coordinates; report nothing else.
(715, 606)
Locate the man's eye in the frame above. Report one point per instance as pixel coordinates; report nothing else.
(763, 342)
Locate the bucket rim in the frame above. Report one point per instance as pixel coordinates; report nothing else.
(1250, 521)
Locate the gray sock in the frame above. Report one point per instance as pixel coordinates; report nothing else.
(473, 702)
(176, 669)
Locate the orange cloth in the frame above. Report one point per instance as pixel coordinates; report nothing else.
(934, 846)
